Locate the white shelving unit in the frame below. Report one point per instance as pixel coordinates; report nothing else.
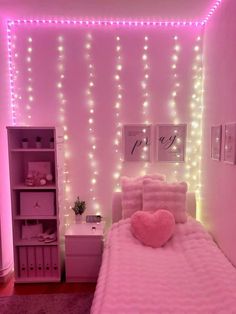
(34, 260)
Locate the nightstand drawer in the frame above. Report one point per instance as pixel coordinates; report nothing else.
(83, 246)
(82, 268)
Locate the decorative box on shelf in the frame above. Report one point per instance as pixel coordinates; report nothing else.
(83, 251)
(37, 203)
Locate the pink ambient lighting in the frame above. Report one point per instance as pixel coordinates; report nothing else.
(116, 23)
(212, 11)
(12, 94)
(92, 23)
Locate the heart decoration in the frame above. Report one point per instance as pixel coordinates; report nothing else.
(153, 229)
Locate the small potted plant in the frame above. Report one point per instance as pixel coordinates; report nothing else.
(25, 142)
(79, 208)
(38, 142)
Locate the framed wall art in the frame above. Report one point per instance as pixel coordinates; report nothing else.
(137, 142)
(229, 143)
(216, 138)
(170, 142)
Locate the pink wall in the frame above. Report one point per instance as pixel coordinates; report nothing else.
(219, 201)
(45, 106)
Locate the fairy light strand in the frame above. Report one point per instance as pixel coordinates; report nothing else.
(62, 101)
(12, 23)
(145, 99)
(16, 72)
(117, 112)
(90, 103)
(11, 71)
(193, 152)
(174, 114)
(29, 87)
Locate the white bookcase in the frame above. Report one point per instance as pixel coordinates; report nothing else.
(34, 203)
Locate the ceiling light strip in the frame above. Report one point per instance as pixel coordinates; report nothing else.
(106, 22)
(211, 11)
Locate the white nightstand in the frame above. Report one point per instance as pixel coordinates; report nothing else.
(83, 251)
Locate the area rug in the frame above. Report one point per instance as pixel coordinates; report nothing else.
(62, 303)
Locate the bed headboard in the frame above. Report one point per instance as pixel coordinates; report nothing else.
(117, 208)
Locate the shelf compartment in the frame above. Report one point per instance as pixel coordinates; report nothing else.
(25, 202)
(37, 263)
(16, 135)
(27, 230)
(20, 163)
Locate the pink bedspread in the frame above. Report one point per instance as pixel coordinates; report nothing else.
(188, 275)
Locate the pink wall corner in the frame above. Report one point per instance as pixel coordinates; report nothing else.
(6, 252)
(219, 200)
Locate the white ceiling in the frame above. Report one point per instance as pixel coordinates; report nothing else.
(156, 9)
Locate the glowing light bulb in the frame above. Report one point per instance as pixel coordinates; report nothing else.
(93, 181)
(144, 57)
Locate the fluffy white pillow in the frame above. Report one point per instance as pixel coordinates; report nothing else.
(132, 190)
(163, 195)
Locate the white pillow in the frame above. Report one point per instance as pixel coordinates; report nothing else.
(163, 195)
(132, 190)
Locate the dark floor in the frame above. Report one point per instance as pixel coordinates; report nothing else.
(10, 288)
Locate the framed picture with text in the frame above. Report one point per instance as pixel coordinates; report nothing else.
(137, 142)
(216, 138)
(170, 142)
(229, 143)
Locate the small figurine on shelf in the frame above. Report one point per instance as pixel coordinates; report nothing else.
(51, 143)
(42, 181)
(49, 178)
(38, 142)
(29, 180)
(25, 142)
(79, 208)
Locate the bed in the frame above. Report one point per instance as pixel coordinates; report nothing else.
(188, 275)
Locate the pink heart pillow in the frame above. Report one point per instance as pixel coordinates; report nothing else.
(153, 229)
